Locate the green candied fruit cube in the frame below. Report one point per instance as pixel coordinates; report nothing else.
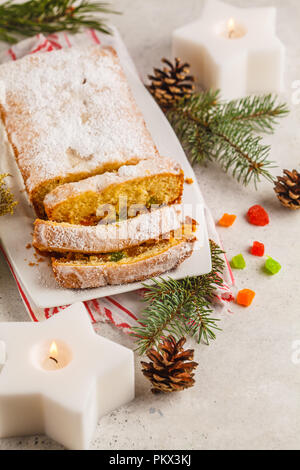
(272, 266)
(238, 262)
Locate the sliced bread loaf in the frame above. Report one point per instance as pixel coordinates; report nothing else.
(63, 237)
(70, 114)
(78, 271)
(86, 202)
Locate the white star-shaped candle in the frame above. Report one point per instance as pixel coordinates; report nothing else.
(233, 49)
(59, 377)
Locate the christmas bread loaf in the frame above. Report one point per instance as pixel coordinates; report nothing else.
(64, 238)
(69, 115)
(145, 261)
(85, 153)
(150, 182)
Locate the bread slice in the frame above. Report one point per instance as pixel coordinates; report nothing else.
(78, 271)
(154, 181)
(70, 114)
(63, 237)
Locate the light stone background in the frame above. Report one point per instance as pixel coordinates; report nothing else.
(247, 394)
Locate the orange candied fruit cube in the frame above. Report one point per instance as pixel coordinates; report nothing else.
(189, 181)
(245, 297)
(227, 220)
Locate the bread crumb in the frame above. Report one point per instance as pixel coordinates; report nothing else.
(32, 264)
(28, 246)
(41, 255)
(189, 181)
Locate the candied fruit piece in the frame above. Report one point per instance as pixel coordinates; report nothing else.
(258, 216)
(189, 181)
(227, 220)
(258, 249)
(238, 262)
(272, 266)
(245, 297)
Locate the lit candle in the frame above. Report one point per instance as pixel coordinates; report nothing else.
(51, 361)
(231, 28)
(54, 357)
(233, 49)
(235, 30)
(53, 353)
(59, 377)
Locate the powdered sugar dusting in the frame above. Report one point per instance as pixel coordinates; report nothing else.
(71, 111)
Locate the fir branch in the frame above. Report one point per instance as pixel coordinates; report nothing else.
(180, 308)
(7, 202)
(50, 16)
(237, 149)
(260, 113)
(212, 130)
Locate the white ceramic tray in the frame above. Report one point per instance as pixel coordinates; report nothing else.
(16, 231)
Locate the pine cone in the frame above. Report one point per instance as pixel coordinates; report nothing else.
(171, 83)
(168, 370)
(287, 189)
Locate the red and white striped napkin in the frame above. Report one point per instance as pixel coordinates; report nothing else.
(122, 310)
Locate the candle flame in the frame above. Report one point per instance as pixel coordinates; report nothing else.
(231, 26)
(53, 349)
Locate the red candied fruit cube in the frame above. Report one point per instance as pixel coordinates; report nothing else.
(258, 216)
(258, 249)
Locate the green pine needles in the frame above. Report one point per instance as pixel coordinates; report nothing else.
(50, 16)
(210, 129)
(180, 308)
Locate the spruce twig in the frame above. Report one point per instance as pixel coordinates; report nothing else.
(260, 113)
(50, 16)
(7, 202)
(210, 129)
(180, 308)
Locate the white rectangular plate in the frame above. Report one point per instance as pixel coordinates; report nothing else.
(16, 231)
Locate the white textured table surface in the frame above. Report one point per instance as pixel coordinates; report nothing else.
(247, 393)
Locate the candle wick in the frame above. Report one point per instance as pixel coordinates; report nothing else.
(53, 359)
